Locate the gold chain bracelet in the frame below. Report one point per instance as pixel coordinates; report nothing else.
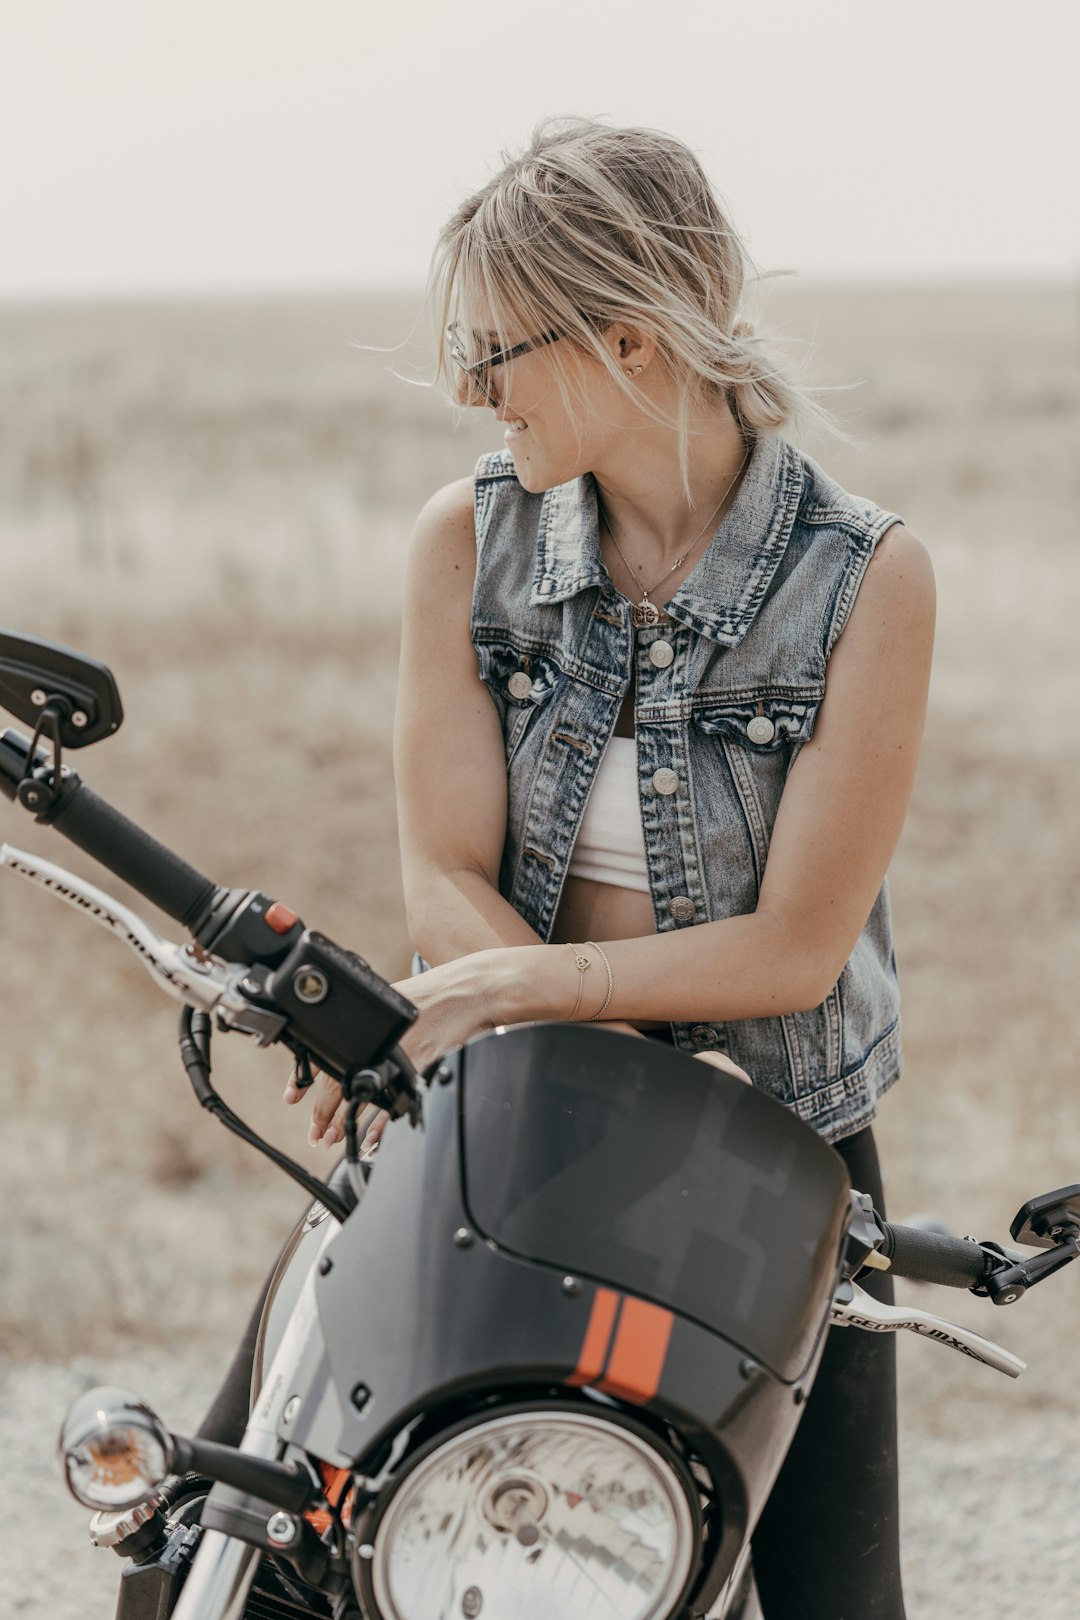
(583, 963)
(610, 984)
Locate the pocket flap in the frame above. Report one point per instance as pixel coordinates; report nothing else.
(762, 724)
(521, 680)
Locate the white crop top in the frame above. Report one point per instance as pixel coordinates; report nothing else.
(610, 845)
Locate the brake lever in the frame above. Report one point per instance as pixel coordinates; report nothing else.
(854, 1307)
(186, 972)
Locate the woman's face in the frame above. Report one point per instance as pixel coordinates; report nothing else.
(551, 442)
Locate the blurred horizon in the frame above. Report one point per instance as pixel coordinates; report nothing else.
(337, 292)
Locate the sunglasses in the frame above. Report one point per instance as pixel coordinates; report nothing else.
(476, 370)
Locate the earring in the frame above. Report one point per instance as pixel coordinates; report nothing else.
(633, 371)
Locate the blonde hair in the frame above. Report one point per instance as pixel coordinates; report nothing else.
(594, 225)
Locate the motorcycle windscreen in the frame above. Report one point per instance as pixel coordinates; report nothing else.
(629, 1162)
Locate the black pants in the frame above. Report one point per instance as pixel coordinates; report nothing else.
(827, 1545)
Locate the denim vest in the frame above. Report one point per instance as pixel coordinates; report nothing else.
(719, 725)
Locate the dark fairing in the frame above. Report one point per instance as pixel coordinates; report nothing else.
(557, 1169)
(628, 1162)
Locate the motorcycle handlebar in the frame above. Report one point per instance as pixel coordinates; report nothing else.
(133, 855)
(108, 835)
(932, 1257)
(326, 1001)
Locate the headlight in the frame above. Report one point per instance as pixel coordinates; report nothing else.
(115, 1451)
(535, 1515)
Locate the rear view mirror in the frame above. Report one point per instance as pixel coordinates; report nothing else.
(1050, 1219)
(83, 694)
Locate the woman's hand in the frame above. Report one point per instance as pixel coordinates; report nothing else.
(720, 1060)
(328, 1110)
(455, 1002)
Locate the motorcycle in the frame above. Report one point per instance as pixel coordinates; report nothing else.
(604, 1275)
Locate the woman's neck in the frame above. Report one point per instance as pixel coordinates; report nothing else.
(642, 498)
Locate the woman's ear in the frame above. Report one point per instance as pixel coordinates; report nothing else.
(632, 347)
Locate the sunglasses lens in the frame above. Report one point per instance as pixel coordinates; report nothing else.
(475, 372)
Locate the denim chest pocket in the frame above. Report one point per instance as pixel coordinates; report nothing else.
(521, 684)
(765, 725)
(745, 746)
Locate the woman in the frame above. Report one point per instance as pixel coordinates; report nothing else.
(662, 695)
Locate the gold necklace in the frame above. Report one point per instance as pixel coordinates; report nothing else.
(646, 613)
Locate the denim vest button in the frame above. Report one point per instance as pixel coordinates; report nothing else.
(682, 908)
(761, 729)
(704, 1035)
(519, 685)
(661, 654)
(665, 781)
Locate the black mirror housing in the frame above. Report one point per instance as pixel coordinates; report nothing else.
(82, 692)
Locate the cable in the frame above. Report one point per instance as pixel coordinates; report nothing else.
(195, 1030)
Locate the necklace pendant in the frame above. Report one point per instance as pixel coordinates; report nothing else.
(644, 614)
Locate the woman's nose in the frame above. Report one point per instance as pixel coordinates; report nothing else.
(475, 389)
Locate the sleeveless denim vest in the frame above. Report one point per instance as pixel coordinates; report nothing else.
(726, 695)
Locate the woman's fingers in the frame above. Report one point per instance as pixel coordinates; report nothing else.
(720, 1060)
(325, 1097)
(329, 1110)
(373, 1135)
(335, 1130)
(294, 1091)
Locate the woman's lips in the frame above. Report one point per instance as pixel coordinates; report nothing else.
(514, 429)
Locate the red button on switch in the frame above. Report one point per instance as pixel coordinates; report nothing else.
(280, 918)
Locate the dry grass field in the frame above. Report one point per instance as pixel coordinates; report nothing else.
(216, 500)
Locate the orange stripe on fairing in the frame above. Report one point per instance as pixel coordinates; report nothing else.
(590, 1362)
(637, 1356)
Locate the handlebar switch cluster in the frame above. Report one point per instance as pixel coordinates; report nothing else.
(243, 925)
(336, 1006)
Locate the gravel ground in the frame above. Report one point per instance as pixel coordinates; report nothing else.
(991, 1470)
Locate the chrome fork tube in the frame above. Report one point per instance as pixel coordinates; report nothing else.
(220, 1579)
(224, 1567)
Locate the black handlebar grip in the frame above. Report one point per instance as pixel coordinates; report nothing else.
(166, 880)
(932, 1257)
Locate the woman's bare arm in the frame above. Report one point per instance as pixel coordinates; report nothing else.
(449, 757)
(838, 824)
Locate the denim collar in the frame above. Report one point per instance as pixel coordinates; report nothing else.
(720, 598)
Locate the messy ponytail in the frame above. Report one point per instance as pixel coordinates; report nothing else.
(593, 225)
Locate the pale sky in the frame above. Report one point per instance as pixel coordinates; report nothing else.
(151, 147)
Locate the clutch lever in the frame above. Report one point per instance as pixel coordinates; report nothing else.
(854, 1307)
(186, 972)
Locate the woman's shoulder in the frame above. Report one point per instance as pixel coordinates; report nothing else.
(865, 547)
(825, 503)
(900, 574)
(447, 515)
(884, 533)
(443, 542)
